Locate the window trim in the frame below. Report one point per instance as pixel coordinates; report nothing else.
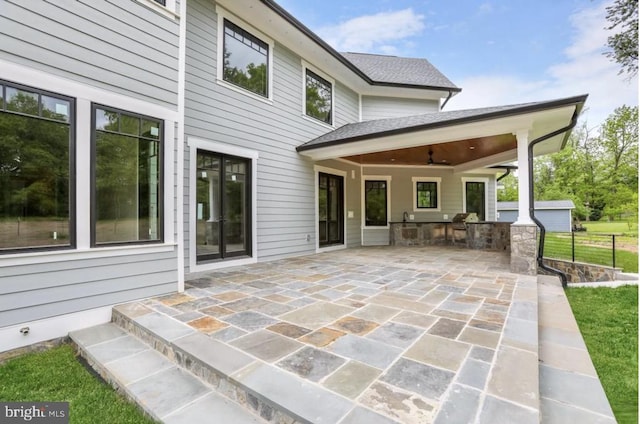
(464, 181)
(306, 67)
(72, 163)
(222, 15)
(414, 183)
(161, 180)
(196, 144)
(168, 9)
(366, 178)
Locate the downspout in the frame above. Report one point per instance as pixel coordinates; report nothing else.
(447, 99)
(574, 121)
(504, 175)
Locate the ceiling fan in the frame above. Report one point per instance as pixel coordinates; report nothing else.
(430, 161)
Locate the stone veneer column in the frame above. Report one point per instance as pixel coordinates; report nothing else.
(524, 245)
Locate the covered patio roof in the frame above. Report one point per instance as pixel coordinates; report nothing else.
(462, 139)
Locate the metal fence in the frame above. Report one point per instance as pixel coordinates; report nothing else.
(597, 249)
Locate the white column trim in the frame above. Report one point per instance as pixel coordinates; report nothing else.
(522, 137)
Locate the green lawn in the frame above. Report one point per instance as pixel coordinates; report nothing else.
(56, 375)
(615, 227)
(608, 321)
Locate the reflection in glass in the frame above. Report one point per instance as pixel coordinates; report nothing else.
(34, 178)
(208, 206)
(375, 199)
(22, 101)
(318, 97)
(127, 181)
(245, 60)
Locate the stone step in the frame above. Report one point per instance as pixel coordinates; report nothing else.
(165, 391)
(570, 390)
(268, 392)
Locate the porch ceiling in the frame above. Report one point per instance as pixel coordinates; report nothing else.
(442, 154)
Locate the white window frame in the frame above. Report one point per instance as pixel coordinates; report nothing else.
(196, 144)
(85, 95)
(366, 178)
(222, 15)
(306, 66)
(168, 10)
(317, 169)
(438, 181)
(466, 180)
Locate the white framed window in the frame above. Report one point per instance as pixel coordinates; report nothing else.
(376, 201)
(165, 7)
(475, 197)
(245, 57)
(426, 194)
(318, 89)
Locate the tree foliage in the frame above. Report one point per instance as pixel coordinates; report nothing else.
(622, 15)
(598, 171)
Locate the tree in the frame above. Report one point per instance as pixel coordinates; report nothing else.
(623, 14)
(619, 141)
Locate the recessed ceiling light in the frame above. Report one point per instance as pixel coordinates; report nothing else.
(472, 147)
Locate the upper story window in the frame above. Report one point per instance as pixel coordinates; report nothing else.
(245, 60)
(161, 2)
(318, 97)
(126, 177)
(426, 194)
(36, 157)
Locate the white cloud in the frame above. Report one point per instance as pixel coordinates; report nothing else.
(585, 70)
(379, 32)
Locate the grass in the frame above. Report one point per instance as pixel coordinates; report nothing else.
(56, 375)
(620, 228)
(608, 321)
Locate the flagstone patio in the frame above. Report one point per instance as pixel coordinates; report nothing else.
(367, 335)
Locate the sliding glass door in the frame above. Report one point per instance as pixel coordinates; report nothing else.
(223, 206)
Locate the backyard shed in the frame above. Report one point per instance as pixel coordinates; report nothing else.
(555, 215)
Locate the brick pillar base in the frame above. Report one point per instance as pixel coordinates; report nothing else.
(524, 245)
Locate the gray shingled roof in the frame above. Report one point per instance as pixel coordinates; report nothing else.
(386, 127)
(542, 204)
(400, 70)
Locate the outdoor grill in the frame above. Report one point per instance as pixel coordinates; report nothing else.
(458, 221)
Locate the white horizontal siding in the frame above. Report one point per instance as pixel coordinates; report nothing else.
(392, 107)
(36, 291)
(285, 199)
(117, 45)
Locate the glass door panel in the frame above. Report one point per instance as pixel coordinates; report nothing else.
(475, 198)
(235, 240)
(208, 207)
(330, 209)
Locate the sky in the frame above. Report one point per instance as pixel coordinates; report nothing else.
(499, 52)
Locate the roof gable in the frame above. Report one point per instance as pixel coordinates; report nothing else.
(383, 69)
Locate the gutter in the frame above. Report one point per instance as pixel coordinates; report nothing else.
(532, 215)
(447, 99)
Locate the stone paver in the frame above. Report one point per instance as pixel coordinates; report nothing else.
(379, 334)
